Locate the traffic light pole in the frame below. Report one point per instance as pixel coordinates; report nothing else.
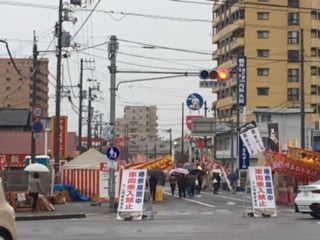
(112, 52)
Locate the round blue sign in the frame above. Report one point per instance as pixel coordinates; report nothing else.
(113, 153)
(37, 127)
(194, 101)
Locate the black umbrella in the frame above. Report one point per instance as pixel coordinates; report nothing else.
(196, 172)
(159, 175)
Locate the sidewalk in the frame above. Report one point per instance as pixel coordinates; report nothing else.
(84, 209)
(68, 210)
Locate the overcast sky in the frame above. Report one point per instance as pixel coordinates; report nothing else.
(179, 33)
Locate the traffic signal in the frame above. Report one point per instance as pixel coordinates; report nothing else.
(219, 74)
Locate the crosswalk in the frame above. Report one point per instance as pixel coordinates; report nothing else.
(207, 204)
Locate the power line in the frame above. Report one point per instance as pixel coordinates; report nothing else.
(167, 48)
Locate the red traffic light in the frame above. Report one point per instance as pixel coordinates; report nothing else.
(223, 75)
(219, 74)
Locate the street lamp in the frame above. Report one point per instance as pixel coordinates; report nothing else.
(175, 143)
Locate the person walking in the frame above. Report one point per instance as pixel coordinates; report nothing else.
(173, 183)
(216, 183)
(190, 185)
(35, 188)
(199, 187)
(181, 181)
(234, 177)
(153, 187)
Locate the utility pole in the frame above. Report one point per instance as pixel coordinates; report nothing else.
(89, 138)
(80, 108)
(182, 131)
(100, 131)
(170, 140)
(112, 53)
(205, 137)
(81, 97)
(58, 89)
(34, 97)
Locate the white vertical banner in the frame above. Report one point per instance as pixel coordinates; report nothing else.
(250, 135)
(131, 196)
(262, 191)
(103, 181)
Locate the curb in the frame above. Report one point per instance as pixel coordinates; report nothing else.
(50, 217)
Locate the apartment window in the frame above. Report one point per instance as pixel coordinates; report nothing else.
(293, 94)
(293, 56)
(263, 91)
(263, 53)
(293, 37)
(8, 79)
(8, 88)
(293, 3)
(315, 15)
(314, 52)
(266, 118)
(313, 90)
(293, 19)
(263, 34)
(313, 71)
(263, 16)
(263, 71)
(293, 75)
(315, 33)
(263, 0)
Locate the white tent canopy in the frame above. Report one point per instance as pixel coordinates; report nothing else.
(90, 159)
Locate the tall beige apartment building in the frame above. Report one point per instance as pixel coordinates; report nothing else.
(139, 123)
(17, 89)
(281, 42)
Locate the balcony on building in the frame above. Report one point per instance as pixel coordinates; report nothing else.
(228, 30)
(237, 42)
(216, 54)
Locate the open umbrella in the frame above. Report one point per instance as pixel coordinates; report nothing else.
(196, 172)
(179, 171)
(158, 174)
(36, 167)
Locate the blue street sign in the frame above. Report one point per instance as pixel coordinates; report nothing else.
(194, 101)
(113, 153)
(37, 126)
(244, 156)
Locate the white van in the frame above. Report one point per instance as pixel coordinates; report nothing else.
(8, 229)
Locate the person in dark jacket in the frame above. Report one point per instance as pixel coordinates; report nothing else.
(173, 183)
(181, 181)
(153, 187)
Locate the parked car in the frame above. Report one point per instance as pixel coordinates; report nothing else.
(8, 229)
(307, 200)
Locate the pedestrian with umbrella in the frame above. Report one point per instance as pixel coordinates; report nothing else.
(35, 188)
(181, 181)
(173, 183)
